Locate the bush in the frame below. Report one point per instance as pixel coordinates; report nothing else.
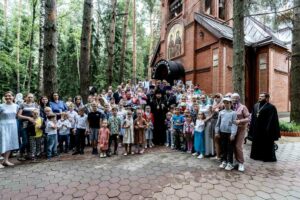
(289, 126)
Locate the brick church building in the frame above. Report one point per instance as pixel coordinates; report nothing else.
(197, 35)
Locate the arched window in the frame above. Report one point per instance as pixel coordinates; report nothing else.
(175, 8)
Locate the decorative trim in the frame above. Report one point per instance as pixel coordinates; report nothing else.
(202, 70)
(281, 72)
(201, 49)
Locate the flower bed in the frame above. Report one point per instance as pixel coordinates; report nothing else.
(289, 129)
(290, 134)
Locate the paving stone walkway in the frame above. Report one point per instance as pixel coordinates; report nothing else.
(161, 173)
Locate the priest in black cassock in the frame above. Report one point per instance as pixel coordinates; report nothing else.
(159, 110)
(264, 130)
(170, 97)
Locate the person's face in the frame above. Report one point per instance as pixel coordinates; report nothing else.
(227, 104)
(148, 109)
(194, 100)
(114, 112)
(183, 99)
(203, 99)
(158, 95)
(90, 99)
(235, 99)
(104, 124)
(218, 99)
(109, 93)
(44, 100)
(35, 113)
(200, 115)
(139, 114)
(47, 112)
(81, 112)
(8, 98)
(195, 107)
(94, 107)
(177, 111)
(78, 101)
(30, 98)
(106, 108)
(169, 116)
(262, 98)
(55, 96)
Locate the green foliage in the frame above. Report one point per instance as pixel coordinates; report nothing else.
(69, 25)
(289, 126)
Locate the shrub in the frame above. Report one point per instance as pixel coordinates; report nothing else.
(289, 126)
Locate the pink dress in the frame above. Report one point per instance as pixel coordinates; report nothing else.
(103, 138)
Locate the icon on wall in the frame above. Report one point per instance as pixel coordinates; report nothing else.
(175, 41)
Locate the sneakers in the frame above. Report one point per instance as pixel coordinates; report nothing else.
(229, 167)
(1, 166)
(223, 165)
(241, 167)
(200, 156)
(195, 154)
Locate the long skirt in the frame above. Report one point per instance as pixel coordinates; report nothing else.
(199, 142)
(209, 140)
(8, 135)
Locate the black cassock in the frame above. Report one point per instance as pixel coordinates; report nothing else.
(159, 110)
(264, 130)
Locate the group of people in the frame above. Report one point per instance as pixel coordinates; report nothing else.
(181, 117)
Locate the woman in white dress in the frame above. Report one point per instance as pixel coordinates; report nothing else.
(8, 128)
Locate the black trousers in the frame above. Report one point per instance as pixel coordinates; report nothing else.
(226, 148)
(80, 140)
(113, 139)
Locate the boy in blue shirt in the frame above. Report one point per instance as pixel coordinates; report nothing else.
(178, 121)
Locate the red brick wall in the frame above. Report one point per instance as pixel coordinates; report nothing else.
(279, 79)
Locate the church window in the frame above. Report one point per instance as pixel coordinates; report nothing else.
(222, 9)
(208, 5)
(215, 57)
(263, 61)
(175, 8)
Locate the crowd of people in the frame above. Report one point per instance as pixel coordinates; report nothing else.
(181, 117)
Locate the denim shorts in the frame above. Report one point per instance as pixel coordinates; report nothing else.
(94, 134)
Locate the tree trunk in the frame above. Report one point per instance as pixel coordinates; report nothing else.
(18, 45)
(30, 61)
(134, 43)
(50, 48)
(295, 67)
(150, 48)
(124, 41)
(85, 48)
(239, 48)
(111, 43)
(41, 46)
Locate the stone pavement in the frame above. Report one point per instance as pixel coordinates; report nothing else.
(161, 173)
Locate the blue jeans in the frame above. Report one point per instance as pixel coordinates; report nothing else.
(169, 137)
(51, 145)
(24, 141)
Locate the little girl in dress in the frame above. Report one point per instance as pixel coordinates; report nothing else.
(188, 130)
(128, 138)
(103, 139)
